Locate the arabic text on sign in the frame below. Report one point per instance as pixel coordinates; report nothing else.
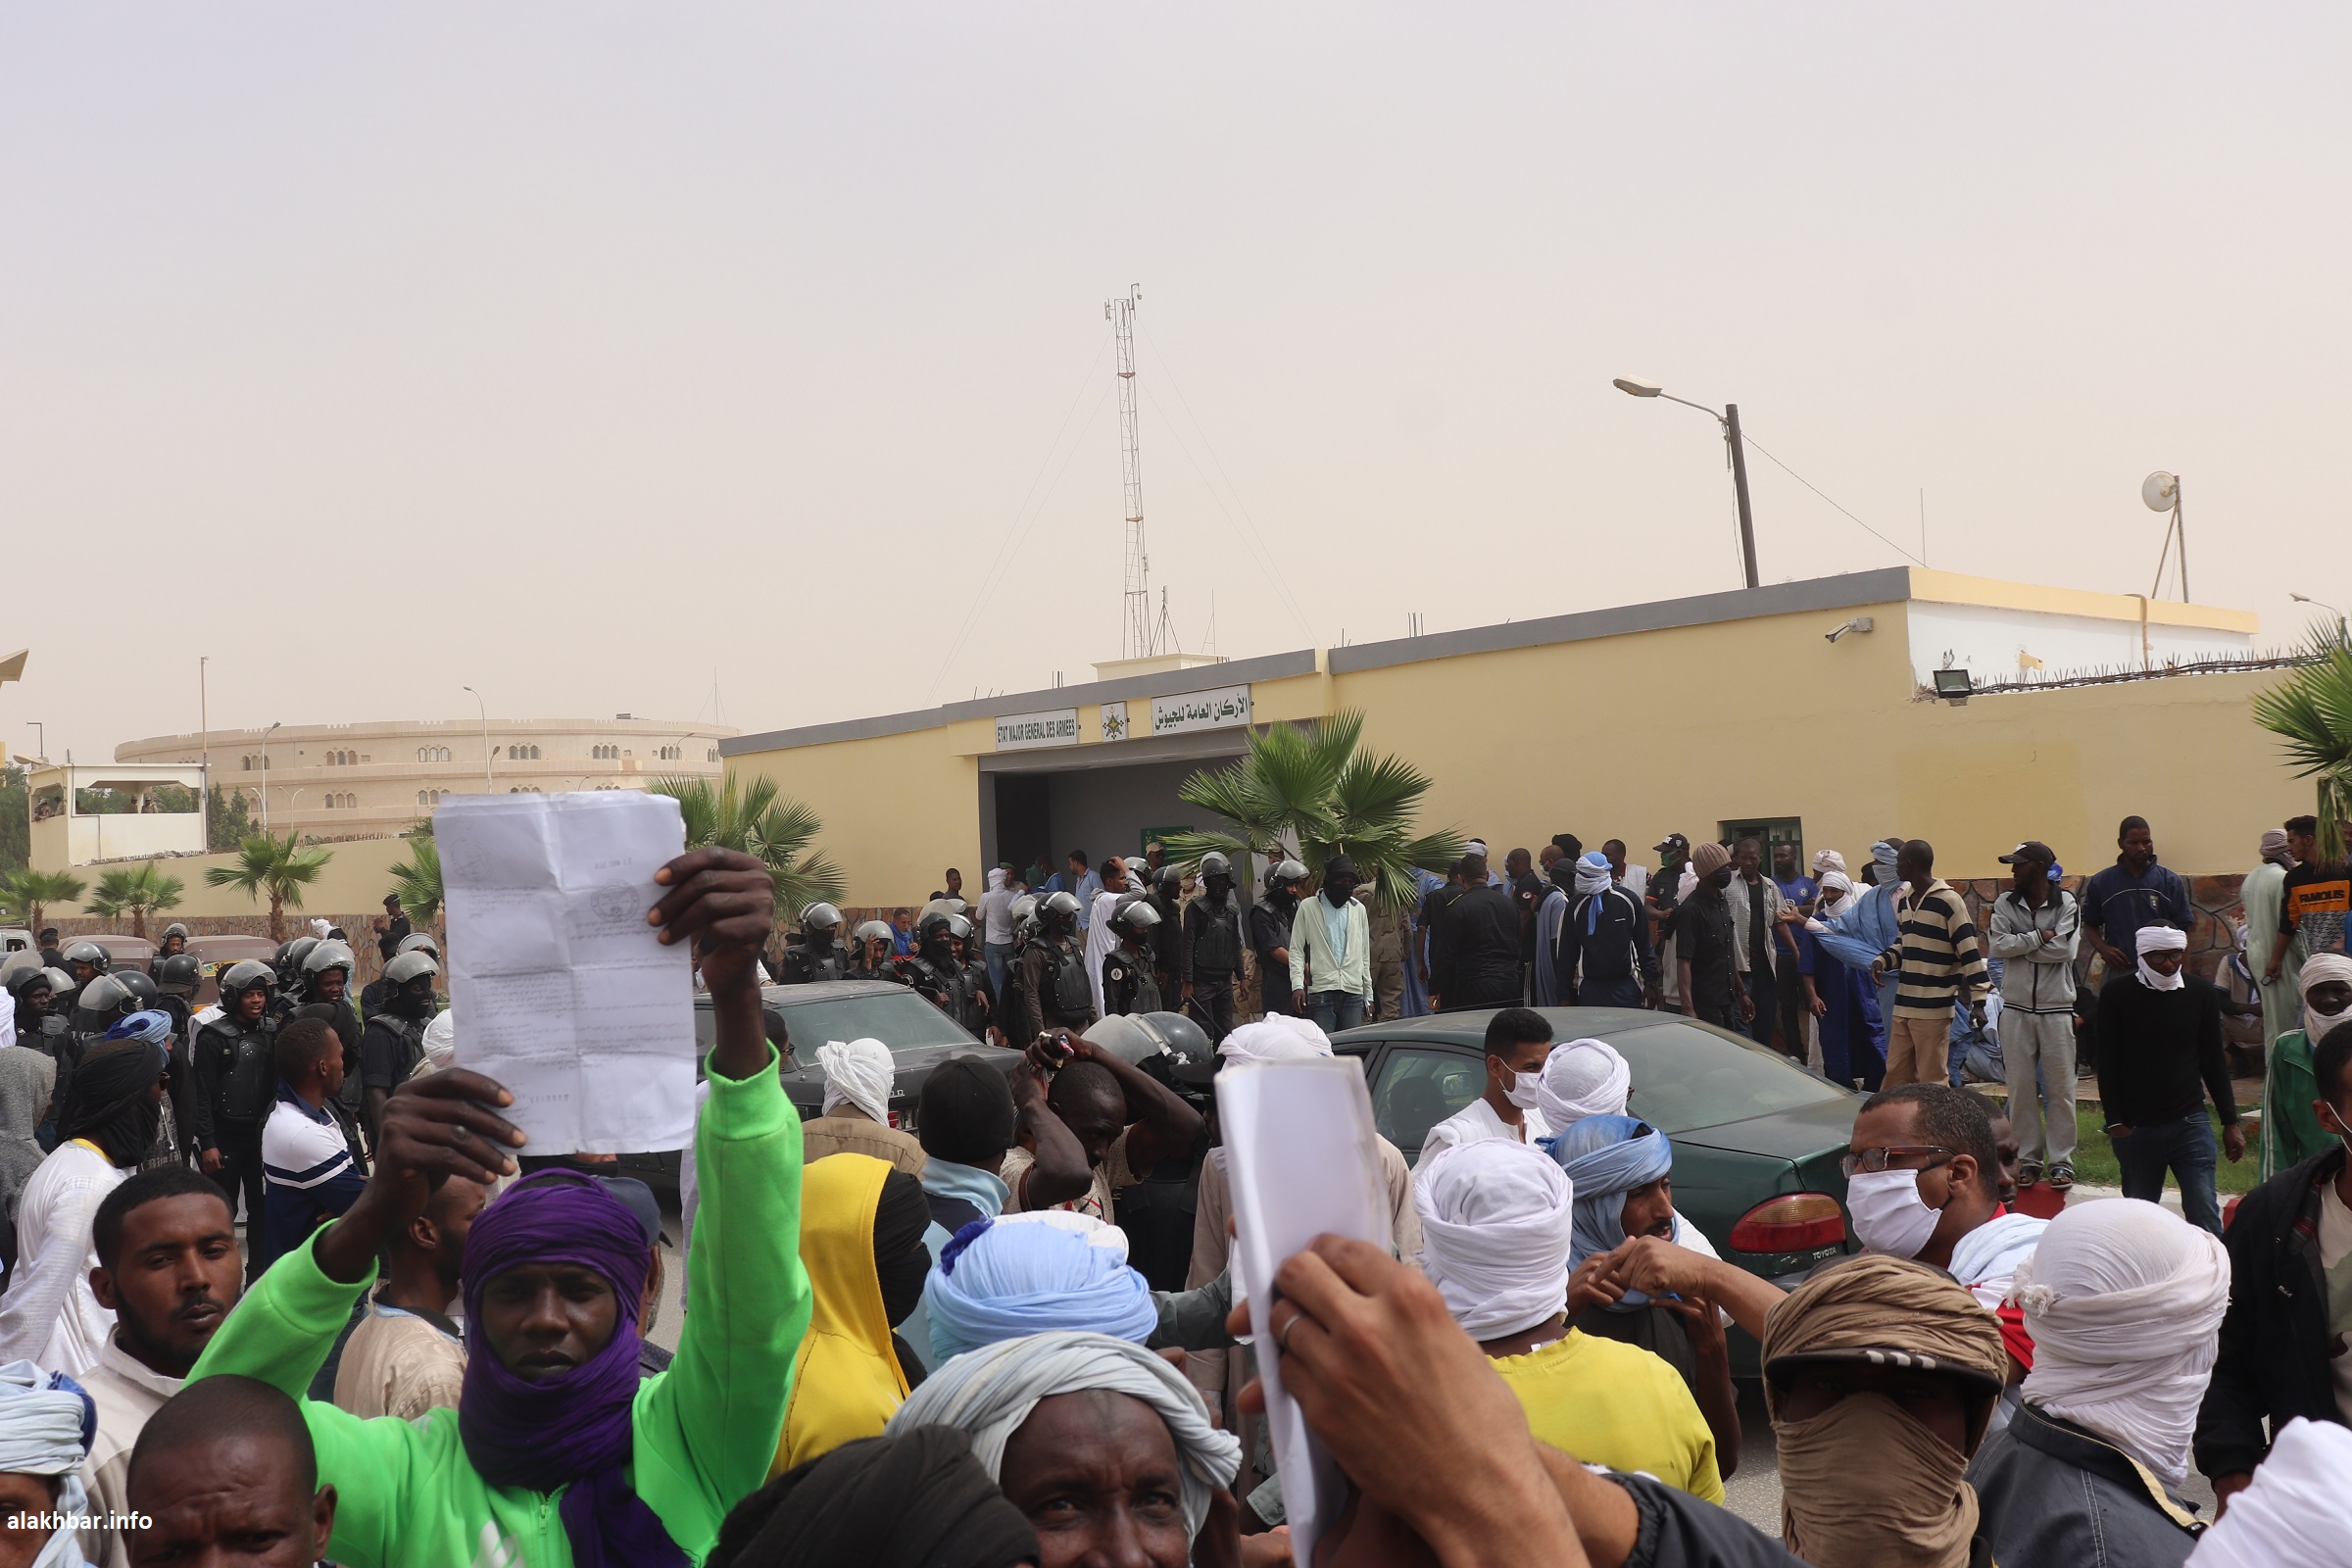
(1221, 708)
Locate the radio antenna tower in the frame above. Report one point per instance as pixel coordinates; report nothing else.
(1139, 634)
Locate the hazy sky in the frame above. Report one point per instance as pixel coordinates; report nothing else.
(581, 351)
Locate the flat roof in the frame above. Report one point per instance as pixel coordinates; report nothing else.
(1812, 595)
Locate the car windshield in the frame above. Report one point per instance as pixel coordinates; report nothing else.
(900, 1019)
(1688, 1076)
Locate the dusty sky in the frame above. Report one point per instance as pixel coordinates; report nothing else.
(588, 352)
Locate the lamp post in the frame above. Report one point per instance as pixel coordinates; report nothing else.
(1729, 419)
(487, 785)
(2306, 599)
(266, 734)
(40, 736)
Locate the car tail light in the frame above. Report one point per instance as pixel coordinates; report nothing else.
(1794, 1222)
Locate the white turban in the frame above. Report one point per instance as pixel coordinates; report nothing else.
(2318, 970)
(2161, 939)
(1592, 874)
(858, 1075)
(988, 1393)
(320, 928)
(1275, 1038)
(441, 1041)
(1825, 860)
(1581, 1078)
(996, 877)
(1496, 1223)
(2124, 1301)
(1477, 847)
(2295, 1511)
(46, 1423)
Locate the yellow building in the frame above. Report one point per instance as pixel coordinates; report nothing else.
(1805, 710)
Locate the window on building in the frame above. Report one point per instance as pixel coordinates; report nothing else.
(245, 763)
(712, 757)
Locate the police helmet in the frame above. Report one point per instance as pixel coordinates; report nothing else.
(180, 974)
(89, 953)
(24, 980)
(407, 967)
(1288, 872)
(933, 919)
(60, 982)
(17, 964)
(244, 976)
(1214, 864)
(417, 942)
(1137, 914)
(820, 916)
(1024, 907)
(959, 928)
(1124, 1037)
(874, 930)
(1169, 879)
(290, 956)
(1057, 904)
(329, 955)
(105, 996)
(142, 990)
(175, 929)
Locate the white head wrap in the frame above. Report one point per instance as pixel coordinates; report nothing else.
(1496, 1223)
(441, 1041)
(1477, 847)
(2295, 1511)
(988, 1393)
(858, 1075)
(2124, 1301)
(46, 1423)
(1581, 1078)
(996, 877)
(2161, 939)
(320, 928)
(1826, 861)
(2319, 969)
(1592, 873)
(1274, 1038)
(1845, 888)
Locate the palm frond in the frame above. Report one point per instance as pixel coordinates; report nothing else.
(418, 879)
(757, 821)
(2311, 714)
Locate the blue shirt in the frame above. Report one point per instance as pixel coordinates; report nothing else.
(1799, 893)
(2116, 904)
(308, 1174)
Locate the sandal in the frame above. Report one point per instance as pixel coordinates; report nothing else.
(2028, 1175)
(2062, 1178)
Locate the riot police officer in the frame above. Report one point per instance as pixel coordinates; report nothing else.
(1128, 983)
(371, 995)
(938, 973)
(236, 1084)
(288, 963)
(1167, 937)
(174, 943)
(1212, 947)
(86, 962)
(875, 947)
(1270, 936)
(1055, 993)
(394, 1041)
(819, 955)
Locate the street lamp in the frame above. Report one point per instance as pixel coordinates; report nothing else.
(1729, 419)
(40, 736)
(266, 734)
(487, 785)
(2306, 599)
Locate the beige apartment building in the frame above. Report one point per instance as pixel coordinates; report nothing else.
(371, 780)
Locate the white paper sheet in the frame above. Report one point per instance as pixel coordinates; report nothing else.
(1301, 1155)
(560, 989)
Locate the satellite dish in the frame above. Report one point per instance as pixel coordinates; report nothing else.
(2161, 491)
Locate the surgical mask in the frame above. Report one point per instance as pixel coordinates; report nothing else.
(1522, 1092)
(1889, 1215)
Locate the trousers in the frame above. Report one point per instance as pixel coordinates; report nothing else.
(1212, 1006)
(2042, 1116)
(241, 1172)
(1334, 1010)
(1917, 1051)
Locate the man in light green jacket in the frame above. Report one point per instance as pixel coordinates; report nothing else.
(687, 1445)
(1331, 952)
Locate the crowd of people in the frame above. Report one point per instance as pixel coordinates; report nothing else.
(939, 1344)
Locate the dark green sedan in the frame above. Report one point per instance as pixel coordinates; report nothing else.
(1758, 1138)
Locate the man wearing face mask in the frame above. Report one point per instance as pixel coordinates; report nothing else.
(394, 1041)
(2284, 1339)
(1331, 952)
(2159, 1054)
(1706, 943)
(1923, 1181)
(1518, 1043)
(2290, 1126)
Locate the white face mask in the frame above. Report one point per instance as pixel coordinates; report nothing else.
(2162, 982)
(1889, 1215)
(1522, 1092)
(2315, 1023)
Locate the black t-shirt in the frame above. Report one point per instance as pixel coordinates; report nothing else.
(1707, 941)
(389, 1052)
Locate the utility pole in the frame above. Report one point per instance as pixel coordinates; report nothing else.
(204, 711)
(1138, 637)
(1748, 522)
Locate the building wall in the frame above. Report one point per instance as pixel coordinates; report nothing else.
(370, 780)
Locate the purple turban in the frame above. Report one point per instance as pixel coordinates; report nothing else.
(574, 1429)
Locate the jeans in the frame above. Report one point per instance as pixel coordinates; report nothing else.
(1620, 993)
(2187, 1149)
(999, 959)
(1334, 1010)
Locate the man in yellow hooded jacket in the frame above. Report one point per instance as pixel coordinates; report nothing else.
(862, 1242)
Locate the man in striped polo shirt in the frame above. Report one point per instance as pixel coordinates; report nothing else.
(1936, 960)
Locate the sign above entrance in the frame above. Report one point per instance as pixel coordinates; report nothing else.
(1225, 708)
(1021, 732)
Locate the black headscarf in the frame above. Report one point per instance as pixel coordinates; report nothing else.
(113, 1101)
(917, 1500)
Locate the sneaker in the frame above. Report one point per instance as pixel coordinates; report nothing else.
(2028, 1175)
(2062, 1177)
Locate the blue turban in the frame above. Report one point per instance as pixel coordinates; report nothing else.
(1037, 1273)
(153, 1026)
(1605, 1158)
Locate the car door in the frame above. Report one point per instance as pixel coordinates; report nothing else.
(1418, 1086)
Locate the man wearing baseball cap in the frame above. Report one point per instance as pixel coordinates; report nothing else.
(2036, 926)
(1662, 895)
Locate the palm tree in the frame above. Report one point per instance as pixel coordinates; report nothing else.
(36, 889)
(273, 866)
(1309, 787)
(757, 821)
(137, 892)
(418, 879)
(2311, 712)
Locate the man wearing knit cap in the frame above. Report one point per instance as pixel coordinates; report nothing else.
(1706, 945)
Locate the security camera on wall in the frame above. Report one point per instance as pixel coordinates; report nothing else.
(1858, 623)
